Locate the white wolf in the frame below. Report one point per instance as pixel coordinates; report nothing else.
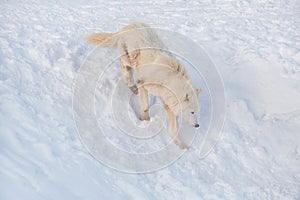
(156, 72)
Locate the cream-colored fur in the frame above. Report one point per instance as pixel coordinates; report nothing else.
(156, 72)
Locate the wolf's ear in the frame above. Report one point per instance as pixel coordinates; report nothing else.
(186, 97)
(198, 91)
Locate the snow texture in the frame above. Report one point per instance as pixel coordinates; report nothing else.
(255, 46)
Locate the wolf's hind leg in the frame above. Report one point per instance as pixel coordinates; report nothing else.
(174, 128)
(144, 103)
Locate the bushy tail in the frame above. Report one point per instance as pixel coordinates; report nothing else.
(108, 40)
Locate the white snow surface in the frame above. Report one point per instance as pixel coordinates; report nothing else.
(255, 46)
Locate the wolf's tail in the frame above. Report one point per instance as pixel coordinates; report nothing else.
(107, 40)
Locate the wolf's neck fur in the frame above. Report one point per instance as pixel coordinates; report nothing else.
(166, 79)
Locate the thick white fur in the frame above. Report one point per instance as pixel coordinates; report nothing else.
(157, 72)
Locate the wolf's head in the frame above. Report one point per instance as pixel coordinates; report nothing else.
(190, 107)
(184, 91)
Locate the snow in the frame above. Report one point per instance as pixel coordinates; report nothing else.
(255, 46)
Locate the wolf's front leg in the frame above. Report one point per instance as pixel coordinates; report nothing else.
(144, 103)
(174, 128)
(127, 73)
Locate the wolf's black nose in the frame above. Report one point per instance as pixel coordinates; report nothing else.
(196, 125)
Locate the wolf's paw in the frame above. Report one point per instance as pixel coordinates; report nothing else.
(144, 118)
(180, 144)
(134, 89)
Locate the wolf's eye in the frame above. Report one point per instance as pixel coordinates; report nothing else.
(192, 112)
